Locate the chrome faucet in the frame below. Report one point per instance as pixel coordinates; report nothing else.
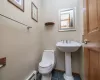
(62, 41)
(65, 41)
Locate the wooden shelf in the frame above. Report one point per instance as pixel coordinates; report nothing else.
(2, 62)
(49, 23)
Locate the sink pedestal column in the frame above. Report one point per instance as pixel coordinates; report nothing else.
(68, 68)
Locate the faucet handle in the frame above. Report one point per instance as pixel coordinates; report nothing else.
(62, 41)
(66, 41)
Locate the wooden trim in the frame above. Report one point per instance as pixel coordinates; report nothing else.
(86, 64)
(18, 6)
(98, 7)
(59, 70)
(73, 73)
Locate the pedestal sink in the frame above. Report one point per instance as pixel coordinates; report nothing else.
(68, 47)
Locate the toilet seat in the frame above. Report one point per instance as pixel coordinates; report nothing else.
(45, 67)
(45, 64)
(45, 70)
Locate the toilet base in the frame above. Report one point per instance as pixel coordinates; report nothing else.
(68, 77)
(46, 77)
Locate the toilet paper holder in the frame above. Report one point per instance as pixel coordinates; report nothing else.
(2, 62)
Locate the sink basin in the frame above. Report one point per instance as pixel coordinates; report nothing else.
(68, 46)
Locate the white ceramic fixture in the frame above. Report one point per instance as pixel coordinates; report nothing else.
(68, 47)
(47, 64)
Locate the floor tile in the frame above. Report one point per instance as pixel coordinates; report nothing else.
(54, 79)
(55, 74)
(58, 75)
(39, 76)
(61, 79)
(77, 78)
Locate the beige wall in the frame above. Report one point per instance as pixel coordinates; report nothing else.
(21, 47)
(51, 35)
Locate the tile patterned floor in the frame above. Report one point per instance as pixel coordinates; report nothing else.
(58, 75)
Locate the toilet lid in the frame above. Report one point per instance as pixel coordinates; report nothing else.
(45, 64)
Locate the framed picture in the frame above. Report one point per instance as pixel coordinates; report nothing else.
(67, 19)
(34, 12)
(18, 3)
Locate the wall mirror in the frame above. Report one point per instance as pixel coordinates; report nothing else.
(67, 19)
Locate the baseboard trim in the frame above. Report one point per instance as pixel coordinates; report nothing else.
(59, 70)
(73, 73)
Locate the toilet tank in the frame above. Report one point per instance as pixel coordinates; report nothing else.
(48, 55)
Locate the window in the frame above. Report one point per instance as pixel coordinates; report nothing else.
(67, 20)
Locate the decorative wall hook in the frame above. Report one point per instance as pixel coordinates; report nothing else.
(29, 28)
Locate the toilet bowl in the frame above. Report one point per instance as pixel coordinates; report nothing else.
(47, 64)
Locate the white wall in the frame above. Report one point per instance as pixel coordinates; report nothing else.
(51, 35)
(21, 47)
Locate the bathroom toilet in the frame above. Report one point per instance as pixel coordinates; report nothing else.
(47, 64)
